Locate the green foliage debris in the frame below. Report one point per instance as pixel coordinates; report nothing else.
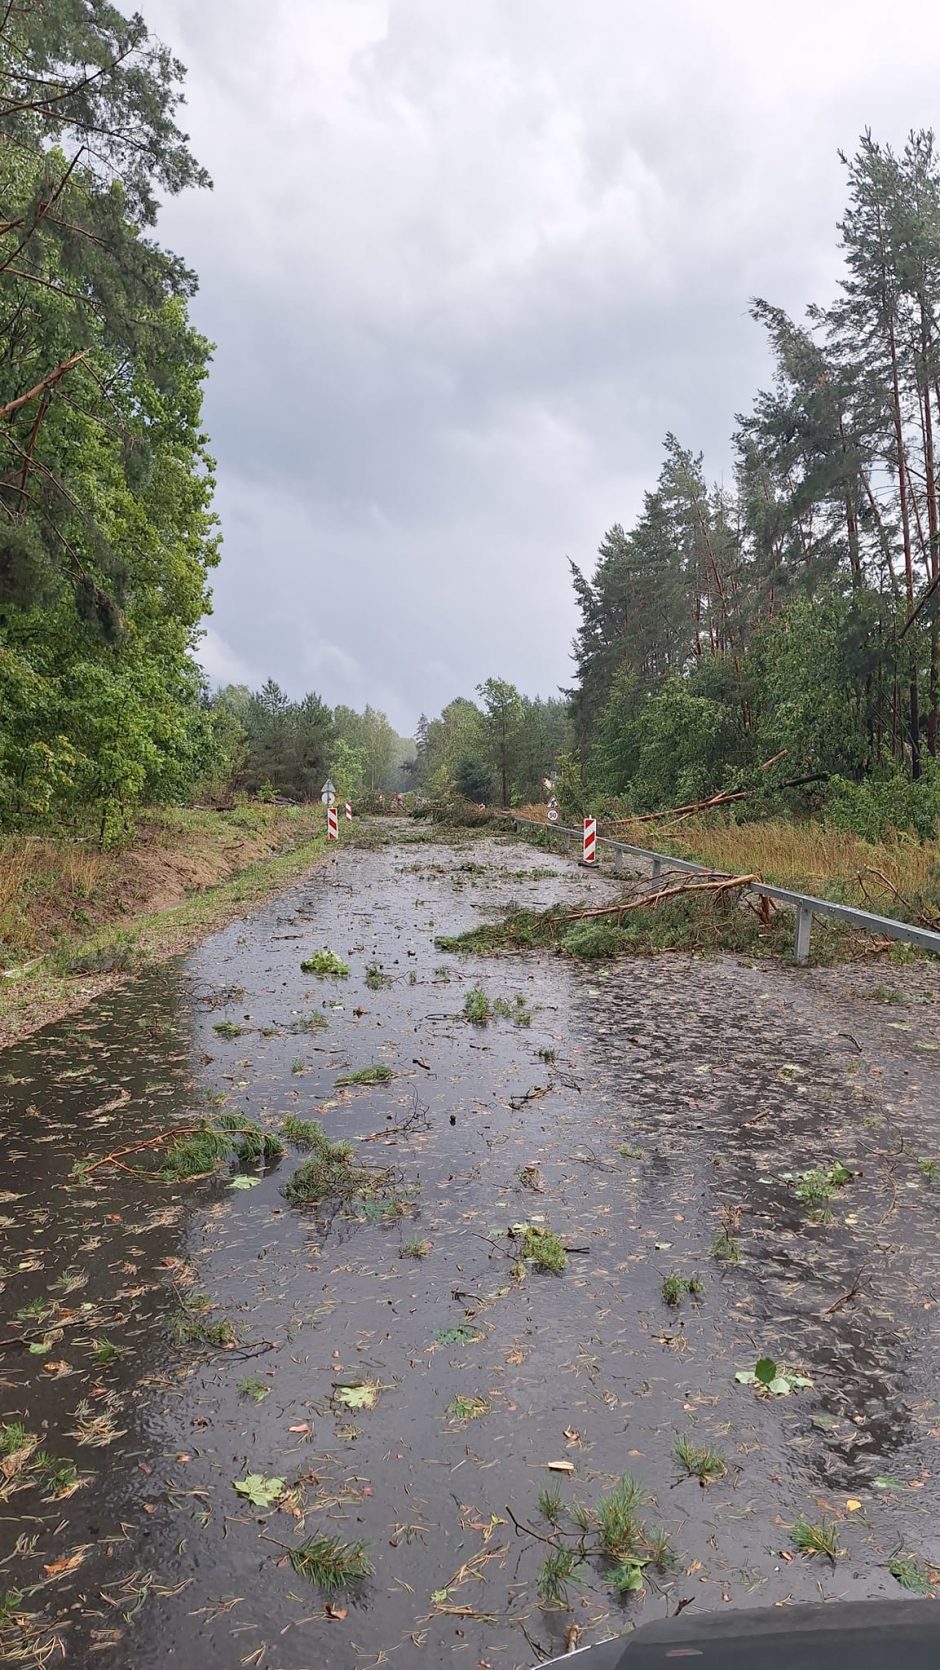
(476, 1006)
(699, 1461)
(461, 1334)
(331, 1564)
(200, 1152)
(260, 1491)
(725, 1248)
(251, 1387)
(676, 1287)
(462, 1409)
(772, 1378)
(378, 1073)
(913, 1574)
(325, 962)
(331, 1173)
(544, 1250)
(558, 1569)
(819, 1537)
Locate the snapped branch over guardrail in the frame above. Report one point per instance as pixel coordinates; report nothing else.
(805, 905)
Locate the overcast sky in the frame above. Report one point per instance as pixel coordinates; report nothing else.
(465, 263)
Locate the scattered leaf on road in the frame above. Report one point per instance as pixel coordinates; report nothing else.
(261, 1492)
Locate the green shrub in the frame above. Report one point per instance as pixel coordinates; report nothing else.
(877, 807)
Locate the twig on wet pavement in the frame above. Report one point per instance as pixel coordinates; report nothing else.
(114, 1158)
(527, 1531)
(843, 1299)
(417, 1117)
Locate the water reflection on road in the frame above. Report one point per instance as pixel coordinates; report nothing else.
(643, 1099)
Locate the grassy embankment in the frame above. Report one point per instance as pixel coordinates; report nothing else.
(74, 920)
(898, 877)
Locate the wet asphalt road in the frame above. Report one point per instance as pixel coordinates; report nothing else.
(643, 1101)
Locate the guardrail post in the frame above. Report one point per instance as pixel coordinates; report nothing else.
(618, 859)
(804, 927)
(657, 868)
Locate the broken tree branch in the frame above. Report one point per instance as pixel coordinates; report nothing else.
(722, 884)
(51, 378)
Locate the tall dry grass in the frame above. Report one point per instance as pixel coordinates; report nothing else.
(900, 876)
(41, 878)
(52, 890)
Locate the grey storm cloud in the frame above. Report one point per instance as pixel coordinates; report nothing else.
(465, 264)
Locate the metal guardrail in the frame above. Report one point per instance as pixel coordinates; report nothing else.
(805, 905)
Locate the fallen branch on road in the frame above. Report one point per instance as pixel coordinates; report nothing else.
(720, 885)
(117, 1154)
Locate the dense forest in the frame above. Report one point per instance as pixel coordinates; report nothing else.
(790, 628)
(781, 634)
(107, 533)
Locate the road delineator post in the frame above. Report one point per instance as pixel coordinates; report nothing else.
(332, 824)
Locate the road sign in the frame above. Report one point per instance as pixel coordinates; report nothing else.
(553, 810)
(328, 792)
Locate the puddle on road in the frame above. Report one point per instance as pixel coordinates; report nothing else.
(678, 1089)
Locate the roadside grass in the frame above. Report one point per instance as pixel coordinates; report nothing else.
(121, 935)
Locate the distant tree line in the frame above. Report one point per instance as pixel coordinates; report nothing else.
(266, 743)
(499, 751)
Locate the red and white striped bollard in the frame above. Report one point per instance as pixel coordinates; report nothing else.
(348, 810)
(589, 851)
(332, 824)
